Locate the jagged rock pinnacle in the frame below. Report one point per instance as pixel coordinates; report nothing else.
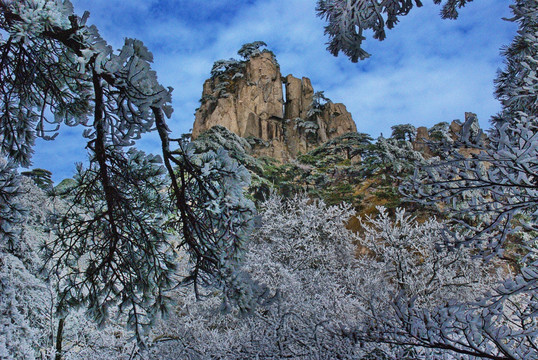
(248, 99)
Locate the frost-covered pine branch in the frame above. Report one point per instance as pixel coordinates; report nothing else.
(490, 188)
(494, 180)
(349, 19)
(111, 248)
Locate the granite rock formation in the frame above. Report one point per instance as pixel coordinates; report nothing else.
(466, 133)
(279, 116)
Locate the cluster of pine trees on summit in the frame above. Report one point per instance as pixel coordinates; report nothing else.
(203, 252)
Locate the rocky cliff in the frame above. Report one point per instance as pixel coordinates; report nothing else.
(464, 133)
(281, 117)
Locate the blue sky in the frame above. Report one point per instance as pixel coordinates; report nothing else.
(427, 70)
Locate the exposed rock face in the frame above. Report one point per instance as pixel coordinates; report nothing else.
(464, 134)
(455, 129)
(420, 143)
(335, 120)
(470, 133)
(244, 103)
(249, 101)
(299, 95)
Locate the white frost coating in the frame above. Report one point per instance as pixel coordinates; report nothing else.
(38, 15)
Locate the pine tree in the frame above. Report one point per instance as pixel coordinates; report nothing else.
(52, 62)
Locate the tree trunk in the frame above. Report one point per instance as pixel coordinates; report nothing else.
(59, 338)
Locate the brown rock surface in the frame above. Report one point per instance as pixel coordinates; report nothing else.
(455, 129)
(334, 121)
(307, 93)
(250, 104)
(247, 102)
(420, 143)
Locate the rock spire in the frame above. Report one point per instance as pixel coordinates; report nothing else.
(281, 117)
